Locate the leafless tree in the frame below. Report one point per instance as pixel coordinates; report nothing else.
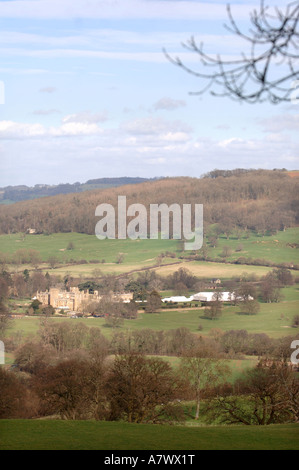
(203, 369)
(273, 41)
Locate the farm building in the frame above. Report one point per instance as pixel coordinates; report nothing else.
(205, 297)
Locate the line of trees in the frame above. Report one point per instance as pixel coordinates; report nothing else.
(57, 339)
(137, 388)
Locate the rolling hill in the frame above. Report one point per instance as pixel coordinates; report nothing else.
(264, 201)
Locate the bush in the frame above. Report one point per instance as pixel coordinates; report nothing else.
(295, 322)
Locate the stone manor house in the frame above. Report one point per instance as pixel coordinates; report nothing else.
(74, 299)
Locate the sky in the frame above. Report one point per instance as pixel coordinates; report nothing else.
(86, 91)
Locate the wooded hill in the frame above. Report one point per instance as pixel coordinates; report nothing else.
(259, 200)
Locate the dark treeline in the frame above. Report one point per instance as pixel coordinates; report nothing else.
(260, 200)
(22, 192)
(236, 172)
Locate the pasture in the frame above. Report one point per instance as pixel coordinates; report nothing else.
(97, 435)
(89, 255)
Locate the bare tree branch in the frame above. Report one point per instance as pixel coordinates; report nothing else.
(254, 77)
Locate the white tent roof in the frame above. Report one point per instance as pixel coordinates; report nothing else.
(209, 296)
(181, 298)
(204, 297)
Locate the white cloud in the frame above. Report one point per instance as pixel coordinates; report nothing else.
(45, 112)
(169, 104)
(175, 137)
(14, 130)
(114, 153)
(86, 123)
(76, 129)
(280, 123)
(112, 39)
(158, 57)
(233, 141)
(86, 117)
(154, 126)
(117, 9)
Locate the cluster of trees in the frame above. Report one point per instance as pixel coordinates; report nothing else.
(266, 394)
(115, 312)
(259, 200)
(26, 284)
(144, 284)
(138, 388)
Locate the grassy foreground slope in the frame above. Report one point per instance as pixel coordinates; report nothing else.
(91, 435)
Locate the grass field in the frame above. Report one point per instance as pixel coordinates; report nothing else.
(91, 435)
(198, 268)
(87, 247)
(204, 269)
(275, 248)
(139, 254)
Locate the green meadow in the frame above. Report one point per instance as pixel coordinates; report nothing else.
(92, 254)
(93, 435)
(87, 247)
(275, 248)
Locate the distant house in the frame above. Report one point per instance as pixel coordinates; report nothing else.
(73, 299)
(215, 282)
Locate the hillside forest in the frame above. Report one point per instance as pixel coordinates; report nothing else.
(256, 200)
